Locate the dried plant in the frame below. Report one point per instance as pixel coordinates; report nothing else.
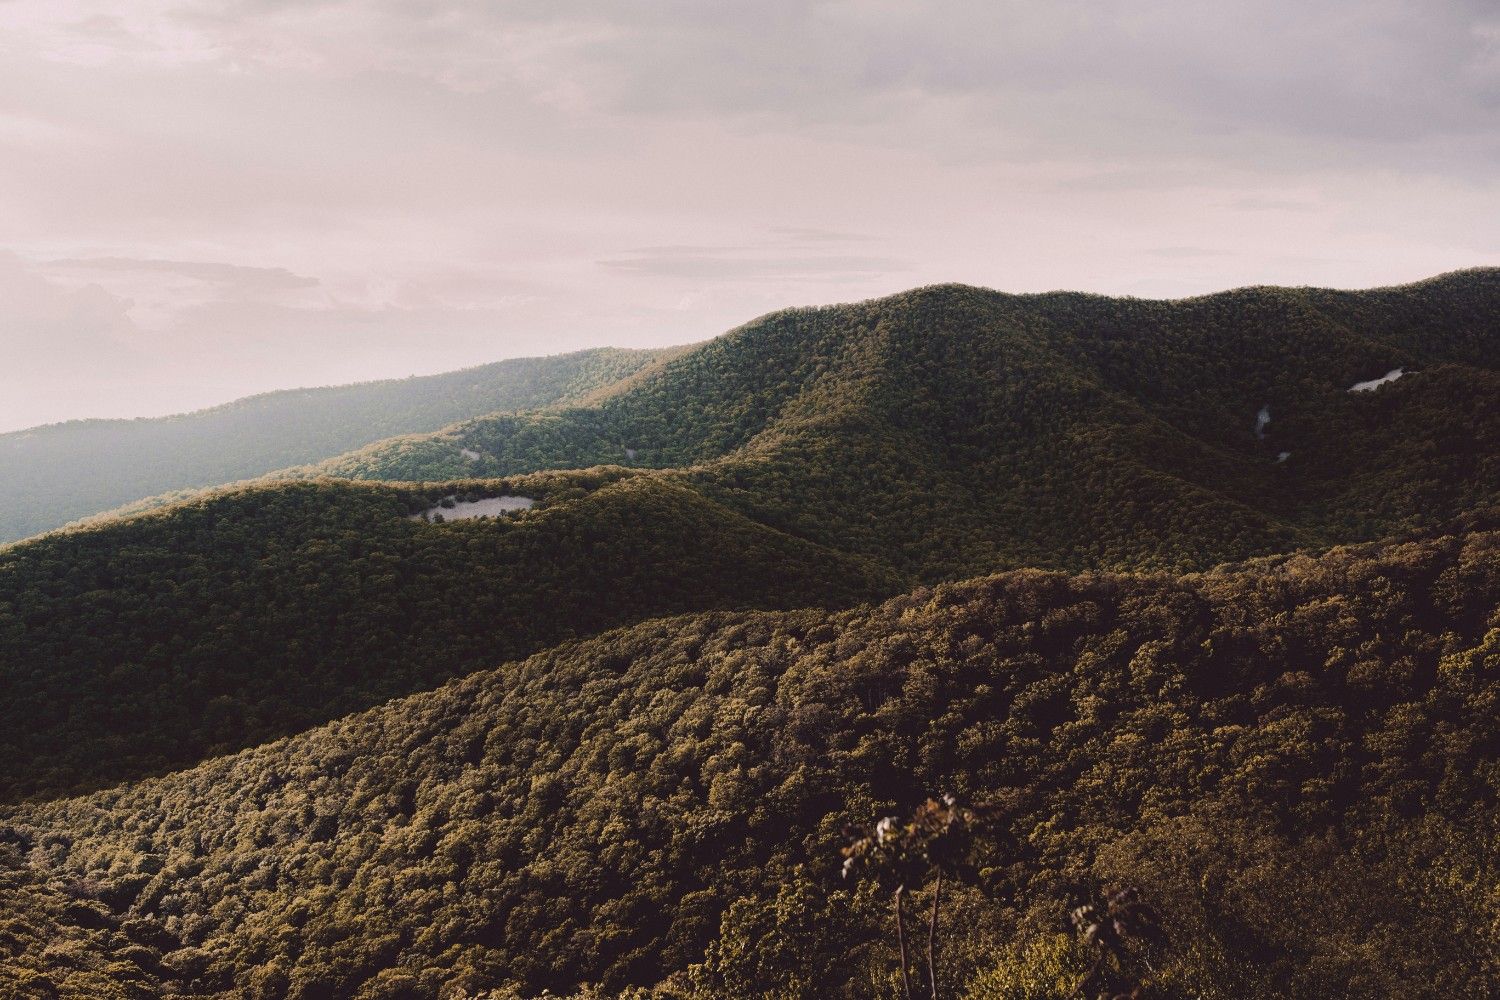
(903, 855)
(1123, 932)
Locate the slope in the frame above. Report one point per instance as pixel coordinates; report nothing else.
(952, 431)
(1293, 758)
(941, 433)
(55, 474)
(149, 643)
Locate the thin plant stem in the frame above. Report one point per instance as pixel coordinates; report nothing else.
(937, 892)
(901, 941)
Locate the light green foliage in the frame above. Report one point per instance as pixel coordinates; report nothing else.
(952, 431)
(778, 948)
(1050, 967)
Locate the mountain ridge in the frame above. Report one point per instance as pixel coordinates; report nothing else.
(929, 437)
(53, 474)
(574, 438)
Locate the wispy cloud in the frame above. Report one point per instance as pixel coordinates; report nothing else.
(235, 275)
(798, 234)
(1264, 203)
(341, 185)
(736, 267)
(1186, 253)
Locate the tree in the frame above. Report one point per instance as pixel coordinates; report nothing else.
(906, 855)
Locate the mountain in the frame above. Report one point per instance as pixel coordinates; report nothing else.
(146, 644)
(952, 431)
(55, 474)
(938, 434)
(1293, 758)
(319, 735)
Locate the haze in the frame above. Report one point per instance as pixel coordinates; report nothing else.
(203, 200)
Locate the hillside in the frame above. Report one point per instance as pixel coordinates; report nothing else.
(258, 743)
(146, 644)
(952, 431)
(942, 433)
(1293, 759)
(61, 472)
(55, 941)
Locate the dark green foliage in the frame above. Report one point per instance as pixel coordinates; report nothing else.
(952, 431)
(55, 474)
(147, 644)
(1294, 760)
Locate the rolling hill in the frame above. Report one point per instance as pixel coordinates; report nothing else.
(942, 433)
(1160, 588)
(1294, 758)
(951, 431)
(147, 644)
(61, 472)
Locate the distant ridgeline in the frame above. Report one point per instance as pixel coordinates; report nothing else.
(1267, 742)
(61, 472)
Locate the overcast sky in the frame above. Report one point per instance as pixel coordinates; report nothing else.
(201, 199)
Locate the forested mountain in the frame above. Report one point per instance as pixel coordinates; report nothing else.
(951, 431)
(55, 474)
(150, 643)
(1294, 759)
(1178, 680)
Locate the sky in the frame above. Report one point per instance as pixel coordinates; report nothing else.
(201, 199)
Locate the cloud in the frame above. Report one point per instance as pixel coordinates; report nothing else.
(1262, 203)
(156, 293)
(1136, 74)
(715, 265)
(70, 347)
(791, 253)
(235, 276)
(248, 193)
(798, 234)
(60, 345)
(1186, 253)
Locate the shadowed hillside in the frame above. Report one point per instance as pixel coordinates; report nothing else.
(146, 644)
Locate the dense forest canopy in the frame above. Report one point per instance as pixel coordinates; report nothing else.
(61, 472)
(1294, 758)
(151, 643)
(1142, 585)
(952, 431)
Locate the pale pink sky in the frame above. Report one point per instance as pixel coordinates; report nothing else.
(204, 198)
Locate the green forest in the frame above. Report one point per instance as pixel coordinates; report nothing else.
(1288, 757)
(1102, 646)
(951, 431)
(258, 612)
